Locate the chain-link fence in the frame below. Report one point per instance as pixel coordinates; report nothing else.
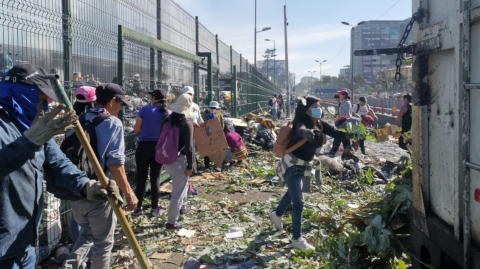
(79, 41)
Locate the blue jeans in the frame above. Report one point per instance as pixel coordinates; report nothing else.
(293, 178)
(24, 261)
(274, 113)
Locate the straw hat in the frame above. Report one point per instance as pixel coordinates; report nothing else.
(182, 105)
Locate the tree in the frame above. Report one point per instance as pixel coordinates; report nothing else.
(358, 80)
(327, 80)
(380, 78)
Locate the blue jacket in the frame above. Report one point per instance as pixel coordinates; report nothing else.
(21, 185)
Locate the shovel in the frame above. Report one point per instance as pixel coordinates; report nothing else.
(62, 98)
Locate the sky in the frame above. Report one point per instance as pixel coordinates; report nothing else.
(314, 28)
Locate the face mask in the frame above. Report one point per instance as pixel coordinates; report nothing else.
(316, 113)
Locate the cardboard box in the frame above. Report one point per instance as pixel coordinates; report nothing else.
(210, 140)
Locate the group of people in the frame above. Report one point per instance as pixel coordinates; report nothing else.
(363, 113)
(278, 106)
(29, 156)
(295, 168)
(86, 80)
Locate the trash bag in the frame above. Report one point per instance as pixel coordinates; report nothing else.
(266, 139)
(192, 263)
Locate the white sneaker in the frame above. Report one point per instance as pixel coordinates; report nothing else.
(276, 220)
(301, 244)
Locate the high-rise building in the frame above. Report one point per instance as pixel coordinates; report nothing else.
(376, 35)
(345, 71)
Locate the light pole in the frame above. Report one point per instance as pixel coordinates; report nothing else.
(311, 81)
(263, 30)
(321, 62)
(274, 54)
(351, 46)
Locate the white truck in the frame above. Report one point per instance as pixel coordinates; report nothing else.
(445, 218)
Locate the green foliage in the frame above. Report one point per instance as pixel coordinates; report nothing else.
(356, 131)
(367, 176)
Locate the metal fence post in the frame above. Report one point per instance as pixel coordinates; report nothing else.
(234, 90)
(159, 37)
(67, 48)
(152, 69)
(208, 55)
(231, 60)
(218, 71)
(120, 62)
(197, 70)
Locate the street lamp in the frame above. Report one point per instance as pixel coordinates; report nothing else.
(263, 30)
(351, 45)
(311, 80)
(274, 51)
(320, 68)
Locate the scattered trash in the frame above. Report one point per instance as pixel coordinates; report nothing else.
(235, 229)
(234, 235)
(186, 233)
(161, 256)
(192, 263)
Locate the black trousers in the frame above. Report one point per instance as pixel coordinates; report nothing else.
(145, 158)
(361, 142)
(336, 144)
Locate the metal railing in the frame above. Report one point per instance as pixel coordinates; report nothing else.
(79, 41)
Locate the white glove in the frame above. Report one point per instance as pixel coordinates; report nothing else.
(46, 126)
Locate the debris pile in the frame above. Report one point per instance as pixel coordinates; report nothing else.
(357, 218)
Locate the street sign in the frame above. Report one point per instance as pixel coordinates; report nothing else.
(225, 84)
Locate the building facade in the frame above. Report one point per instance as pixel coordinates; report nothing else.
(344, 71)
(376, 35)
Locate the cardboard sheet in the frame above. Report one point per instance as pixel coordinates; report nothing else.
(210, 139)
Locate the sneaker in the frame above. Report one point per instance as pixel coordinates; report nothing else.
(301, 244)
(364, 153)
(191, 190)
(138, 211)
(157, 212)
(176, 226)
(185, 211)
(276, 220)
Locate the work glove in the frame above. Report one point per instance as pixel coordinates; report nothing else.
(95, 191)
(46, 126)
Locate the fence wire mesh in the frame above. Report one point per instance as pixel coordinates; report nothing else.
(37, 31)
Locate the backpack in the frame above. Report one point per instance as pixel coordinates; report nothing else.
(283, 140)
(166, 150)
(76, 154)
(270, 102)
(358, 108)
(341, 120)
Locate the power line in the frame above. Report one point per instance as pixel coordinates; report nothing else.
(389, 9)
(340, 50)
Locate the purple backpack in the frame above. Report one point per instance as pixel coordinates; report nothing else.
(166, 151)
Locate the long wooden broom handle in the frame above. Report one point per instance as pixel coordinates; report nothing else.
(132, 240)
